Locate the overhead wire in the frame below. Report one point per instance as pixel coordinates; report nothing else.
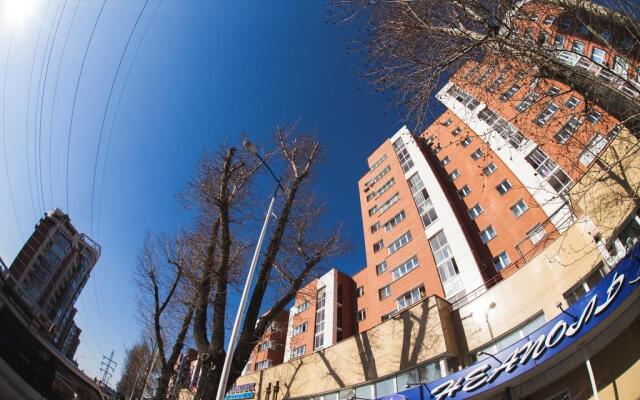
(75, 98)
(117, 108)
(53, 101)
(4, 133)
(44, 87)
(106, 108)
(104, 117)
(42, 84)
(33, 63)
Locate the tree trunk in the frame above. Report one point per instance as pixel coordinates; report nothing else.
(211, 372)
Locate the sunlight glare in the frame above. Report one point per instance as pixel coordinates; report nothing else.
(17, 12)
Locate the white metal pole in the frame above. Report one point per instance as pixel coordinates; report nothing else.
(243, 300)
(592, 379)
(146, 380)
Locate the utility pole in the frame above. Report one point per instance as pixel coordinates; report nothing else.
(109, 368)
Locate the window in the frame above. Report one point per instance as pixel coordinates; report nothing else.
(466, 141)
(578, 47)
(377, 163)
(373, 210)
(543, 39)
(298, 351)
(592, 149)
(567, 130)
(403, 155)
(377, 246)
(546, 114)
(598, 55)
(302, 307)
(399, 243)
(498, 81)
(593, 116)
(584, 286)
(387, 204)
(565, 24)
(456, 131)
(559, 42)
(362, 314)
(485, 74)
(382, 189)
(264, 345)
(464, 191)
(572, 102)
(375, 227)
(422, 200)
(299, 329)
(405, 268)
(528, 100)
(445, 161)
(583, 29)
(548, 170)
(489, 169)
(621, 66)
(501, 260)
(318, 340)
(487, 234)
(464, 98)
(519, 208)
(454, 174)
(447, 122)
(380, 268)
(513, 336)
(548, 20)
(477, 154)
(410, 298)
(360, 291)
(475, 211)
(264, 364)
(536, 234)
(510, 92)
(384, 292)
(387, 315)
(378, 177)
(504, 186)
(606, 36)
(446, 264)
(395, 220)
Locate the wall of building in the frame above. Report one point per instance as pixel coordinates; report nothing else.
(420, 334)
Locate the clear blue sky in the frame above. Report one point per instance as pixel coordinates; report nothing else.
(205, 71)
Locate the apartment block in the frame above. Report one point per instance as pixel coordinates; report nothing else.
(51, 270)
(322, 315)
(270, 349)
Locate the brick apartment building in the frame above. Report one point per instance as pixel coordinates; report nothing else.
(49, 273)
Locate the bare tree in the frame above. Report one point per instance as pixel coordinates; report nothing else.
(137, 363)
(221, 192)
(165, 311)
(411, 46)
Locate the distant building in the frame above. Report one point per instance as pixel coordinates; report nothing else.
(270, 349)
(51, 270)
(322, 315)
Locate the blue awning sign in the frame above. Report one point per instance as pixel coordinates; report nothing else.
(542, 344)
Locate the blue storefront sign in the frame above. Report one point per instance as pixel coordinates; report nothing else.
(543, 344)
(241, 392)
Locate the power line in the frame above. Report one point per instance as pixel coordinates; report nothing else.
(53, 101)
(75, 97)
(43, 85)
(106, 108)
(115, 114)
(4, 132)
(33, 63)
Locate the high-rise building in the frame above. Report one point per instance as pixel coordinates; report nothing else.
(322, 315)
(51, 269)
(491, 238)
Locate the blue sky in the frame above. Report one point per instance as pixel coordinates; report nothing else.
(205, 72)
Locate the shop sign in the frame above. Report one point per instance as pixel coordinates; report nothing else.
(543, 344)
(239, 392)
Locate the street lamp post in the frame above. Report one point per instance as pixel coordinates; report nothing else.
(247, 285)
